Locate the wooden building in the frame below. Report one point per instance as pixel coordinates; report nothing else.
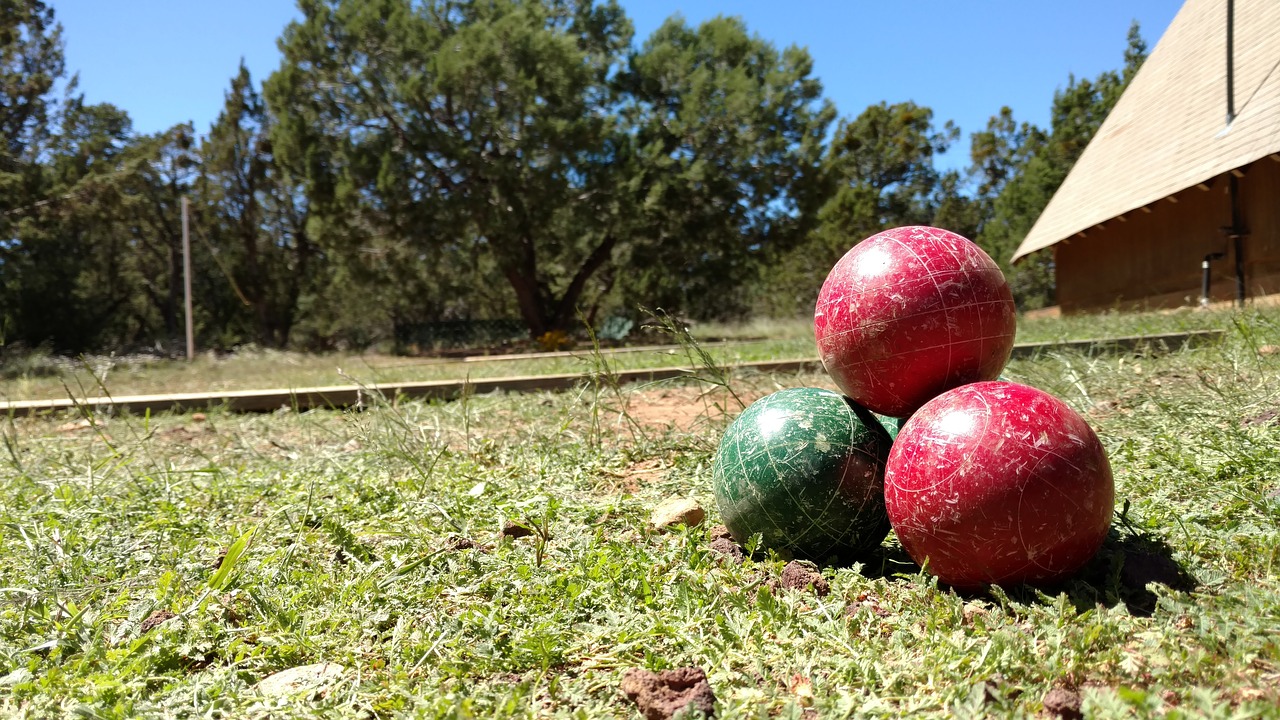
(1185, 170)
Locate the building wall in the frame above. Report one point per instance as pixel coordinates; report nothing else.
(1152, 257)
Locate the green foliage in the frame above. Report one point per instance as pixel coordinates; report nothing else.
(253, 219)
(1019, 168)
(525, 143)
(416, 163)
(878, 173)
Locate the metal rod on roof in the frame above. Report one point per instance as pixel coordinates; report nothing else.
(1231, 80)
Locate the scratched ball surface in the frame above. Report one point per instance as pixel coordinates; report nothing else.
(997, 483)
(910, 313)
(804, 467)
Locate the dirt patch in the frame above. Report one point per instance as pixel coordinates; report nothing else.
(722, 542)
(638, 474)
(154, 619)
(799, 576)
(1063, 703)
(1270, 417)
(694, 406)
(660, 696)
(680, 408)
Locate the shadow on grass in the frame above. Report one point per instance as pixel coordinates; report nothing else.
(1123, 569)
(890, 562)
(1121, 572)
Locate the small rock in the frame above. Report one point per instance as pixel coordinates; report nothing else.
(154, 619)
(1063, 703)
(302, 678)
(659, 696)
(516, 530)
(800, 576)
(1269, 350)
(677, 511)
(199, 417)
(730, 549)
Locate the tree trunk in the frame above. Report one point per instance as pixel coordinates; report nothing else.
(543, 313)
(529, 300)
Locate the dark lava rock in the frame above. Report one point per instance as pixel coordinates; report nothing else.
(799, 576)
(457, 542)
(516, 530)
(154, 619)
(1063, 703)
(730, 549)
(720, 531)
(660, 696)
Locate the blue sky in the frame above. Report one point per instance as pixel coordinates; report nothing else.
(169, 61)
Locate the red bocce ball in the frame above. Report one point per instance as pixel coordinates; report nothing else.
(910, 313)
(997, 483)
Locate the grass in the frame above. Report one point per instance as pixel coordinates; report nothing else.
(275, 369)
(252, 369)
(374, 540)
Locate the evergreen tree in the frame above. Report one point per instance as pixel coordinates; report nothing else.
(519, 140)
(1020, 167)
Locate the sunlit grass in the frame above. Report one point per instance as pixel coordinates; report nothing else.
(372, 540)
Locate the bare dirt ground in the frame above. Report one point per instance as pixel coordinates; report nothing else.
(693, 407)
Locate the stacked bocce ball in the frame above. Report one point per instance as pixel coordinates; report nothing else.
(985, 482)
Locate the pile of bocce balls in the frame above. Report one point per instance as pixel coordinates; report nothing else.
(984, 481)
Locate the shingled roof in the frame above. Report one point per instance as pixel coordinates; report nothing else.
(1169, 132)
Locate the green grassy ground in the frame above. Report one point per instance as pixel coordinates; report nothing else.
(751, 341)
(164, 566)
(273, 369)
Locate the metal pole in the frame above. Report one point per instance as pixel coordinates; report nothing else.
(1231, 61)
(186, 277)
(1237, 236)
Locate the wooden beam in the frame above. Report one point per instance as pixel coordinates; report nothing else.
(1146, 209)
(1173, 199)
(1275, 157)
(1238, 172)
(1122, 218)
(1204, 185)
(360, 396)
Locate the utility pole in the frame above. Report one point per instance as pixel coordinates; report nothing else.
(186, 277)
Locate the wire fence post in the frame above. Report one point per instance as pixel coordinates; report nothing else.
(186, 278)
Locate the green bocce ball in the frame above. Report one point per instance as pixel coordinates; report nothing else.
(804, 468)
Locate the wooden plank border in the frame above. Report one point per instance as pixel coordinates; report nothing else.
(343, 396)
(1166, 342)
